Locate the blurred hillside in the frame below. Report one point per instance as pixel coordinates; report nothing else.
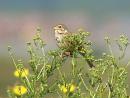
(19, 20)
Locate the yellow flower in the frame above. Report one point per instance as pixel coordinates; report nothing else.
(19, 90)
(67, 88)
(63, 88)
(21, 72)
(72, 88)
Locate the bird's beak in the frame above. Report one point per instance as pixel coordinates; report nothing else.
(55, 28)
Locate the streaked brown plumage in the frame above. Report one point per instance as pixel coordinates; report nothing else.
(60, 32)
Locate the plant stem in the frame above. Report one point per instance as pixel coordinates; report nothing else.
(73, 66)
(111, 81)
(110, 49)
(61, 75)
(44, 64)
(87, 89)
(29, 84)
(13, 59)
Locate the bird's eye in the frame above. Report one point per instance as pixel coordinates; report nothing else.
(59, 26)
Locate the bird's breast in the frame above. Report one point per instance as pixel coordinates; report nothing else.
(59, 37)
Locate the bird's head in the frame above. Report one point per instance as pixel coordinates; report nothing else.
(60, 28)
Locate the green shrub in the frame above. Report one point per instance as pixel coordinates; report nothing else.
(102, 77)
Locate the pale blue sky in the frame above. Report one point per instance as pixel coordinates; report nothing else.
(98, 10)
(59, 5)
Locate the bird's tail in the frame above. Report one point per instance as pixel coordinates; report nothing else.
(89, 61)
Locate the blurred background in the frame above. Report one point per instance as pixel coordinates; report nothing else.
(20, 18)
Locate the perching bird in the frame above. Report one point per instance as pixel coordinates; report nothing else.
(60, 32)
